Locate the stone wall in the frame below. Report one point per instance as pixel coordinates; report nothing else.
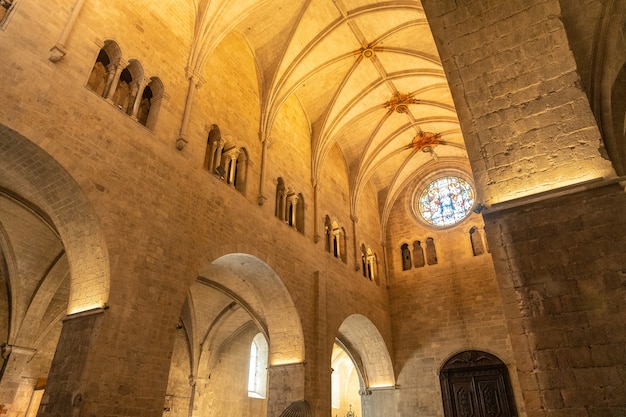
(442, 309)
(560, 269)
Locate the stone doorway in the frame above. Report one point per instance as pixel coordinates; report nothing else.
(476, 384)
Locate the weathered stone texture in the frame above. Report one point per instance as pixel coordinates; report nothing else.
(566, 292)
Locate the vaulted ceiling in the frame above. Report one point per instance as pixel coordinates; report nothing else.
(367, 74)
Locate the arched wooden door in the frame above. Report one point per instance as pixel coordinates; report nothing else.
(476, 384)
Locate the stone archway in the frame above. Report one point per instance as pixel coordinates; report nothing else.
(234, 300)
(28, 171)
(53, 262)
(368, 350)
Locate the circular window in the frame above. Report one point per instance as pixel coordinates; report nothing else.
(446, 201)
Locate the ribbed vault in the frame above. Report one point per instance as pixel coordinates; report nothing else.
(366, 73)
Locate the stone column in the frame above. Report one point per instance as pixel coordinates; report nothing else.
(16, 388)
(264, 146)
(195, 81)
(58, 50)
(65, 392)
(355, 244)
(285, 386)
(292, 204)
(113, 80)
(232, 154)
(138, 95)
(217, 158)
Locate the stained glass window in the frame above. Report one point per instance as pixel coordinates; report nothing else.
(446, 201)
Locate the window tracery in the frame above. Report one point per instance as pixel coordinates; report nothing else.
(445, 201)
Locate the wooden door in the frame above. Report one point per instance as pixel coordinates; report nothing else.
(477, 391)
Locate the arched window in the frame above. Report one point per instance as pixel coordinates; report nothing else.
(418, 254)
(344, 246)
(431, 253)
(328, 228)
(148, 105)
(406, 257)
(372, 266)
(257, 371)
(281, 199)
(108, 62)
(300, 214)
(213, 141)
(6, 6)
(128, 87)
(99, 73)
(364, 259)
(477, 241)
(241, 171)
(336, 238)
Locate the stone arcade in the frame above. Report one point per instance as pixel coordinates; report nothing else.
(244, 208)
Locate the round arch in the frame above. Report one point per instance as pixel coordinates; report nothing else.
(28, 171)
(260, 291)
(367, 347)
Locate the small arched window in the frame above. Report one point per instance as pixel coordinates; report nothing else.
(431, 253)
(99, 73)
(241, 171)
(257, 371)
(6, 6)
(328, 228)
(406, 257)
(108, 63)
(300, 214)
(281, 199)
(148, 105)
(418, 254)
(477, 241)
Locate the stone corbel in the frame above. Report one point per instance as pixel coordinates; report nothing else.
(57, 52)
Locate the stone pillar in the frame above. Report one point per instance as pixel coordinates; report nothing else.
(138, 95)
(378, 401)
(195, 81)
(355, 244)
(57, 52)
(265, 145)
(66, 392)
(217, 158)
(562, 274)
(114, 79)
(16, 387)
(292, 205)
(285, 386)
(231, 169)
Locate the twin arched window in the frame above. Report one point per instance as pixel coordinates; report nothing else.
(369, 263)
(224, 159)
(124, 85)
(335, 239)
(289, 206)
